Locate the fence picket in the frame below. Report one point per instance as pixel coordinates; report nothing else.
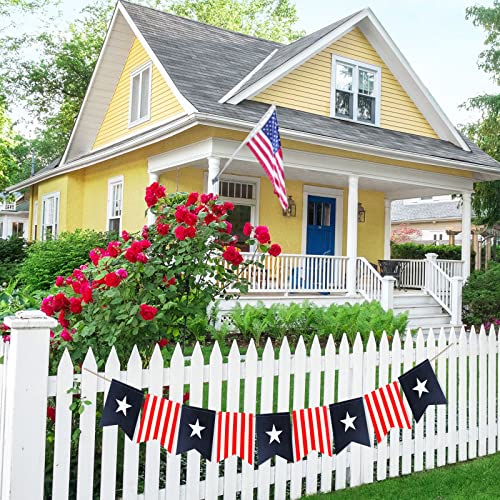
(462, 394)
(86, 442)
(343, 394)
(369, 380)
(284, 369)
(62, 441)
(419, 426)
(430, 417)
(299, 387)
(214, 403)
(370, 384)
(233, 404)
(482, 384)
(395, 434)
(109, 434)
(473, 432)
(328, 398)
(441, 374)
(175, 382)
(492, 391)
(312, 463)
(248, 473)
(195, 399)
(131, 448)
(452, 398)
(356, 391)
(266, 406)
(408, 359)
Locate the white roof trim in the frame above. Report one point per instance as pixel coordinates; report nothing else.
(392, 56)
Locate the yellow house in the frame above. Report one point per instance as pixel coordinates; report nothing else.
(171, 99)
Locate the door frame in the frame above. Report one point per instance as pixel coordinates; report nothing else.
(338, 194)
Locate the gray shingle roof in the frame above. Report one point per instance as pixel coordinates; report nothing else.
(431, 210)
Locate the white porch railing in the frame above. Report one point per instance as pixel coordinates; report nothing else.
(372, 286)
(297, 273)
(8, 206)
(413, 271)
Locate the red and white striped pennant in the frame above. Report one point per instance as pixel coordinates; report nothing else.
(387, 410)
(312, 431)
(235, 435)
(160, 418)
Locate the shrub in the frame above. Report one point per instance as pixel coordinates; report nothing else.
(12, 253)
(46, 260)
(481, 297)
(418, 251)
(308, 320)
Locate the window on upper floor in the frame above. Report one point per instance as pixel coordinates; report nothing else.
(50, 216)
(356, 91)
(140, 95)
(115, 204)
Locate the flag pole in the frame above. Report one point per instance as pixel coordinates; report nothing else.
(439, 353)
(268, 113)
(98, 375)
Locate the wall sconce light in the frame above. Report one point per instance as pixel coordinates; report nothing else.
(291, 211)
(361, 213)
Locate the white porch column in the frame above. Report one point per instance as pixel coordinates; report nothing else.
(153, 177)
(352, 233)
(213, 172)
(387, 233)
(466, 230)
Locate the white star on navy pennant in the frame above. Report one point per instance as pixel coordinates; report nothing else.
(122, 405)
(420, 387)
(196, 431)
(349, 422)
(274, 436)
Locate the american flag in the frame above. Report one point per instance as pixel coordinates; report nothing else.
(235, 435)
(312, 430)
(160, 418)
(387, 410)
(265, 144)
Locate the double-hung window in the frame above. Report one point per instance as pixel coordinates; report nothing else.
(115, 204)
(50, 216)
(35, 221)
(356, 91)
(140, 95)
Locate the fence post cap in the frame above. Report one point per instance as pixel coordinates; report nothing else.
(388, 278)
(431, 256)
(24, 320)
(457, 278)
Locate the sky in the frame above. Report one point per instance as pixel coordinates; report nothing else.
(434, 36)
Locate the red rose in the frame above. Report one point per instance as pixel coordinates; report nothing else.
(47, 306)
(75, 305)
(233, 256)
(169, 282)
(192, 199)
(141, 258)
(228, 205)
(274, 250)
(247, 229)
(136, 246)
(145, 232)
(162, 228)
(263, 237)
(113, 249)
(130, 255)
(62, 320)
(209, 218)
(60, 302)
(147, 312)
(229, 227)
(112, 280)
(153, 193)
(162, 343)
(180, 213)
(185, 397)
(261, 229)
(4, 327)
(51, 413)
(190, 219)
(59, 281)
(87, 293)
(95, 256)
(122, 273)
(6, 338)
(125, 236)
(145, 244)
(76, 286)
(205, 198)
(180, 233)
(191, 232)
(65, 335)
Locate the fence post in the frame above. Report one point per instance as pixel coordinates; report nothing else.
(431, 258)
(23, 467)
(456, 300)
(387, 299)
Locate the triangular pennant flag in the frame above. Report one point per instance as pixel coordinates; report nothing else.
(235, 435)
(312, 431)
(386, 409)
(349, 423)
(122, 407)
(196, 431)
(274, 436)
(421, 388)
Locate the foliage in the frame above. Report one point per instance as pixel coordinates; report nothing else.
(156, 286)
(418, 251)
(404, 233)
(308, 320)
(14, 298)
(12, 253)
(481, 297)
(46, 260)
(485, 132)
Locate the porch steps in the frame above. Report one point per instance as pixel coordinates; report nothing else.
(424, 311)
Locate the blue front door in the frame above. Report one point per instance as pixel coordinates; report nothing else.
(320, 225)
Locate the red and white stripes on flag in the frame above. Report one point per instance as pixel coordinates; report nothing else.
(312, 430)
(235, 435)
(160, 418)
(265, 144)
(387, 410)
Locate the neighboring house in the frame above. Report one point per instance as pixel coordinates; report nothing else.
(14, 215)
(171, 99)
(439, 218)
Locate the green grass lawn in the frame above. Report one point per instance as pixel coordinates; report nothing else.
(478, 478)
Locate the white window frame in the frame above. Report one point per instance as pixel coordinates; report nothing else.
(114, 181)
(134, 73)
(55, 221)
(357, 65)
(35, 221)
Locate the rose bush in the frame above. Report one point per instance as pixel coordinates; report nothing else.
(154, 287)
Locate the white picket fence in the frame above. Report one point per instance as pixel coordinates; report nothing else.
(464, 429)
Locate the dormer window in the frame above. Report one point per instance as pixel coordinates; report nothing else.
(140, 95)
(356, 91)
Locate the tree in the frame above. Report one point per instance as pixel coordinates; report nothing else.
(403, 233)
(485, 132)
